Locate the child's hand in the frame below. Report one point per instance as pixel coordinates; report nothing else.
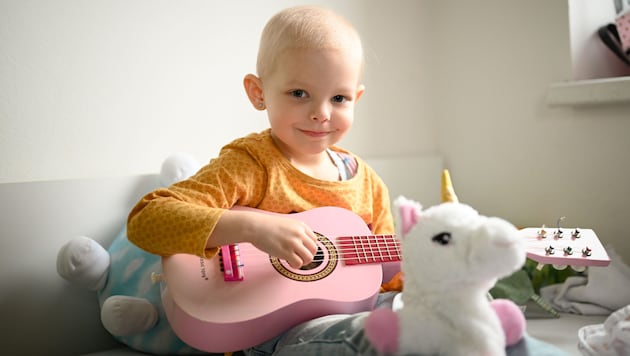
(285, 238)
(281, 237)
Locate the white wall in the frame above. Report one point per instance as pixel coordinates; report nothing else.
(510, 154)
(94, 88)
(101, 88)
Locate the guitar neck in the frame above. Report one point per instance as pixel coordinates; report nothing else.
(570, 247)
(367, 249)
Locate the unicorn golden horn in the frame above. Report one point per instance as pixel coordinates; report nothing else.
(448, 193)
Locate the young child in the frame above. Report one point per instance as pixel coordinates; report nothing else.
(309, 81)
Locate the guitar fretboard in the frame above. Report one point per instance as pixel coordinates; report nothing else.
(369, 249)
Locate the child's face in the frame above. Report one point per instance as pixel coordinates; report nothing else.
(310, 99)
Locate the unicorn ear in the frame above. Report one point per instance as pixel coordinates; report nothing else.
(406, 214)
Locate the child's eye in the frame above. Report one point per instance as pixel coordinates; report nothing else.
(339, 99)
(298, 93)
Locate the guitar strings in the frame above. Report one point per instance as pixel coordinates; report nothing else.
(555, 243)
(374, 251)
(358, 255)
(256, 259)
(348, 247)
(359, 249)
(358, 259)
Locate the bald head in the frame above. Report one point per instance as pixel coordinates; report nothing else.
(305, 27)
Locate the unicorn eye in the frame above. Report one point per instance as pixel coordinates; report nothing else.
(443, 238)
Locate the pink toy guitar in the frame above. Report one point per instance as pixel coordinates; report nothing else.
(244, 297)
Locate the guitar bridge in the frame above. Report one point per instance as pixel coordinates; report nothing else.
(230, 260)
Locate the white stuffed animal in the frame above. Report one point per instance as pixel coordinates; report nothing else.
(131, 308)
(452, 256)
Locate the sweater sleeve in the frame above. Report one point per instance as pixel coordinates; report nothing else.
(181, 218)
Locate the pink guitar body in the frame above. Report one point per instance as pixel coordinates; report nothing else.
(215, 315)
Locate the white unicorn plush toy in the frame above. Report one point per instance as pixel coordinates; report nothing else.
(452, 256)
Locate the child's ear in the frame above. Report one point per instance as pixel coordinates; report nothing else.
(254, 91)
(360, 91)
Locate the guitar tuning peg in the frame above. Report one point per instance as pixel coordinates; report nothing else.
(558, 233)
(576, 233)
(586, 251)
(542, 233)
(568, 250)
(550, 250)
(559, 267)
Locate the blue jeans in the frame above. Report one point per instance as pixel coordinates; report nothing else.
(341, 335)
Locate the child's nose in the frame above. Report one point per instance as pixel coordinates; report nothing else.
(321, 111)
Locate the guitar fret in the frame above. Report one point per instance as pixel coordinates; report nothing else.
(378, 249)
(372, 254)
(369, 249)
(383, 257)
(389, 251)
(363, 249)
(397, 247)
(356, 251)
(389, 255)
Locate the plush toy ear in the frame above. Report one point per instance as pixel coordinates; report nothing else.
(407, 214)
(84, 262)
(178, 167)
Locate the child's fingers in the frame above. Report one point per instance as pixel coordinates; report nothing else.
(311, 243)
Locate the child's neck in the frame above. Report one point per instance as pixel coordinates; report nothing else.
(318, 166)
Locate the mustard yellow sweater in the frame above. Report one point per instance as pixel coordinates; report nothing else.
(249, 171)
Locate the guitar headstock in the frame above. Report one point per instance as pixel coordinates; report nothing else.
(564, 246)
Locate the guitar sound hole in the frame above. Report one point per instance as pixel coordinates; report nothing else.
(323, 264)
(318, 259)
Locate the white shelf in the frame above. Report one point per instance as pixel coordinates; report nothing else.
(589, 92)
